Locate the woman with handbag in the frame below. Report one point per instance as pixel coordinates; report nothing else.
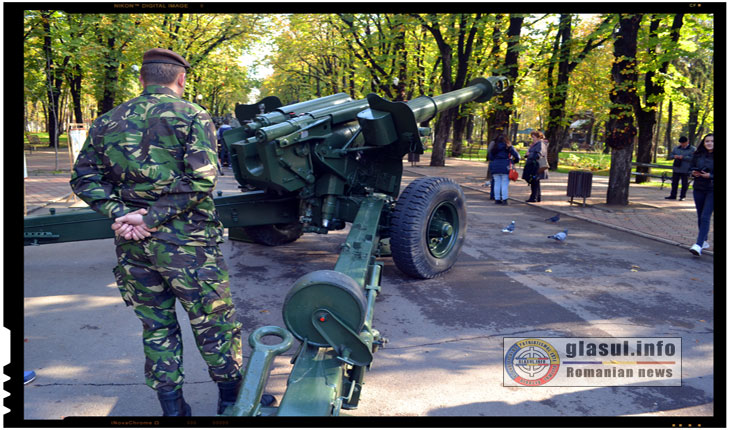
(537, 153)
(502, 156)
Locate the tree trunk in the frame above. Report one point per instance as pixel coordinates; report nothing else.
(506, 99)
(457, 143)
(589, 133)
(668, 133)
(494, 56)
(694, 114)
(621, 125)
(470, 129)
(658, 129)
(556, 130)
(646, 121)
(505, 102)
(111, 75)
(620, 175)
(443, 127)
(53, 92)
(74, 83)
(654, 88)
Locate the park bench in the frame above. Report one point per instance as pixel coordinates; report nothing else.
(664, 176)
(33, 142)
(472, 150)
(469, 151)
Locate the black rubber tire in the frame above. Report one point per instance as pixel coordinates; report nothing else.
(409, 231)
(275, 234)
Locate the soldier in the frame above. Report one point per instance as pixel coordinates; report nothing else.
(150, 163)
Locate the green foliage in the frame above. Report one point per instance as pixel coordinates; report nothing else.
(314, 55)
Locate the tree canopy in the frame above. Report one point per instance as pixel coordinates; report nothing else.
(77, 66)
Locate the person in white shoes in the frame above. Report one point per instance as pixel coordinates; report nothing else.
(703, 190)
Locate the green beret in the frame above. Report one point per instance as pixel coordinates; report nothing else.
(159, 55)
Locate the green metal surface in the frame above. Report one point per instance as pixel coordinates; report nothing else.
(256, 208)
(350, 348)
(314, 385)
(257, 369)
(66, 227)
(362, 241)
(242, 210)
(326, 289)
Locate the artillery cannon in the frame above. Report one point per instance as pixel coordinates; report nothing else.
(316, 166)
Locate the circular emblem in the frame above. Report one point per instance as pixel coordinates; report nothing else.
(532, 362)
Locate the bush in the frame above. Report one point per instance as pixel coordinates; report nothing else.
(589, 161)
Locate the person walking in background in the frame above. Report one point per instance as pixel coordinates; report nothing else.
(503, 155)
(682, 156)
(702, 170)
(150, 164)
(537, 153)
(222, 148)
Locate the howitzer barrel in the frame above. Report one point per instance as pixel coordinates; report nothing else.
(425, 108)
(395, 124)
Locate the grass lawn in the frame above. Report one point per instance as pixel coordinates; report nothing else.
(596, 162)
(62, 139)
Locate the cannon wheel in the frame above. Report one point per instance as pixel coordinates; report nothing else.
(275, 234)
(428, 227)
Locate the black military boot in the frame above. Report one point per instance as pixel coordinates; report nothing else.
(173, 404)
(227, 394)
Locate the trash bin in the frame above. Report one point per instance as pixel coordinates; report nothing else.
(579, 185)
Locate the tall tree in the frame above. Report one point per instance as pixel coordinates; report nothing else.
(378, 41)
(505, 101)
(54, 80)
(497, 68)
(621, 130)
(450, 80)
(558, 86)
(74, 74)
(658, 62)
(114, 33)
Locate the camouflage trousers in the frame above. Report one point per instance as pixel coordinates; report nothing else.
(151, 276)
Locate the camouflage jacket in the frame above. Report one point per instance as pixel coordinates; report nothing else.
(157, 152)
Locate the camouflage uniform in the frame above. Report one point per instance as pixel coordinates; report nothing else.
(157, 152)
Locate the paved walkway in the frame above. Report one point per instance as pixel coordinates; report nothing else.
(648, 213)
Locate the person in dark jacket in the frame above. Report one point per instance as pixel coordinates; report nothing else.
(535, 152)
(490, 179)
(682, 156)
(702, 170)
(502, 155)
(223, 156)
